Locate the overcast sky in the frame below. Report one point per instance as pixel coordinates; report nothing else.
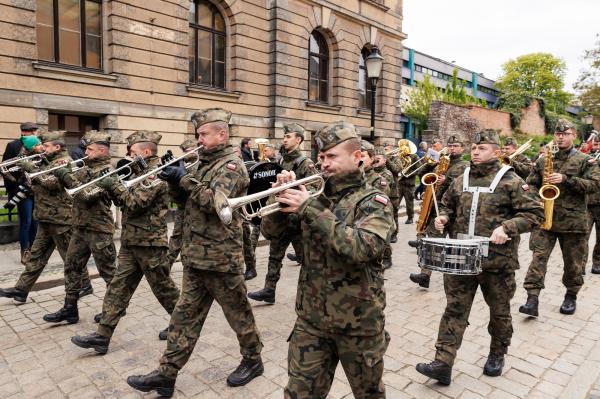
(481, 35)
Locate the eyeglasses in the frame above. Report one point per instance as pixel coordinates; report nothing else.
(562, 134)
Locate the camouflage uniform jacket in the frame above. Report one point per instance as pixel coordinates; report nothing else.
(408, 181)
(341, 285)
(511, 205)
(301, 165)
(208, 244)
(52, 203)
(594, 198)
(522, 166)
(91, 207)
(144, 211)
(582, 177)
(455, 170)
(394, 165)
(379, 178)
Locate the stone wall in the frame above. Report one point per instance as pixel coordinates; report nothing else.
(144, 81)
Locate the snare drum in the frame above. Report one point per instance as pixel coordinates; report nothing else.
(451, 256)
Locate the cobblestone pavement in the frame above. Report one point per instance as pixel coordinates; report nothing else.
(555, 356)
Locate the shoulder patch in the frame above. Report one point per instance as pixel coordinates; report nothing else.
(383, 182)
(592, 161)
(381, 199)
(231, 166)
(525, 187)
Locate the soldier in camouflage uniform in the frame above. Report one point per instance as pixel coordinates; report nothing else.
(302, 166)
(394, 165)
(53, 212)
(521, 164)
(576, 175)
(406, 191)
(455, 170)
(503, 213)
(212, 258)
(93, 225)
(144, 244)
(593, 205)
(175, 241)
(341, 295)
(377, 175)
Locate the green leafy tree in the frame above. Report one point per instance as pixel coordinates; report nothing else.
(588, 83)
(419, 102)
(539, 75)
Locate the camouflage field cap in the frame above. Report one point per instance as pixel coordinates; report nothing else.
(379, 150)
(28, 127)
(294, 128)
(454, 139)
(334, 134)
(564, 125)
(96, 137)
(487, 136)
(510, 141)
(209, 115)
(56, 135)
(366, 146)
(188, 144)
(143, 136)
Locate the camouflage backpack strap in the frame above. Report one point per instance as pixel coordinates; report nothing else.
(298, 161)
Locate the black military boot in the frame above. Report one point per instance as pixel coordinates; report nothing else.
(69, 312)
(163, 334)
(413, 243)
(265, 295)
(98, 317)
(386, 263)
(595, 269)
(249, 274)
(14, 293)
(569, 304)
(154, 381)
(437, 370)
(394, 238)
(493, 365)
(95, 341)
(89, 290)
(408, 221)
(245, 372)
(294, 258)
(420, 278)
(531, 306)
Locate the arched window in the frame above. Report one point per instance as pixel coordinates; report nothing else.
(207, 45)
(318, 68)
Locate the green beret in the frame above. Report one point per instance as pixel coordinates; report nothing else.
(563, 125)
(57, 135)
(294, 128)
(143, 136)
(28, 126)
(188, 144)
(487, 136)
(454, 139)
(209, 115)
(96, 137)
(334, 134)
(366, 146)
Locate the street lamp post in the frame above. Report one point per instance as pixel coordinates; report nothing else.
(373, 64)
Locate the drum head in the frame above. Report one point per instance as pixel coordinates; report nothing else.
(262, 174)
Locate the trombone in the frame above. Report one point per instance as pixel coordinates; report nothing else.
(226, 206)
(130, 183)
(507, 159)
(7, 166)
(75, 190)
(431, 158)
(75, 165)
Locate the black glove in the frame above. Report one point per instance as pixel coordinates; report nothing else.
(138, 165)
(173, 174)
(109, 183)
(60, 173)
(168, 157)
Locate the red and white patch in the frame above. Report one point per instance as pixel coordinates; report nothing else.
(525, 187)
(381, 199)
(383, 183)
(591, 161)
(231, 166)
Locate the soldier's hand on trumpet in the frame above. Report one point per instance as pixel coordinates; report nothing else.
(173, 174)
(292, 199)
(284, 177)
(109, 183)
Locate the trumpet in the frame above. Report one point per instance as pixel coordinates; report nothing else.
(127, 168)
(431, 158)
(75, 165)
(507, 159)
(154, 172)
(7, 166)
(226, 206)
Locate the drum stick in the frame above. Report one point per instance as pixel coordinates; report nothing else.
(435, 204)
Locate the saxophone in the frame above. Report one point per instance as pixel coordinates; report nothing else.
(430, 180)
(548, 192)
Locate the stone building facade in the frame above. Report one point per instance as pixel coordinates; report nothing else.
(124, 65)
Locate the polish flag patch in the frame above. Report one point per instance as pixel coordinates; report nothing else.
(381, 199)
(231, 166)
(525, 187)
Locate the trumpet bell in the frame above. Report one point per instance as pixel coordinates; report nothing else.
(429, 179)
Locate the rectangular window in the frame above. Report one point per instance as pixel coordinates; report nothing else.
(70, 32)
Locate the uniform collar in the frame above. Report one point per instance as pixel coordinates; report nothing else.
(485, 169)
(216, 152)
(290, 156)
(342, 182)
(566, 153)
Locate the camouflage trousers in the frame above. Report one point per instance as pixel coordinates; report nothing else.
(408, 194)
(594, 219)
(176, 239)
(574, 252)
(199, 289)
(84, 243)
(498, 289)
(277, 248)
(136, 262)
(396, 206)
(313, 356)
(250, 236)
(49, 237)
